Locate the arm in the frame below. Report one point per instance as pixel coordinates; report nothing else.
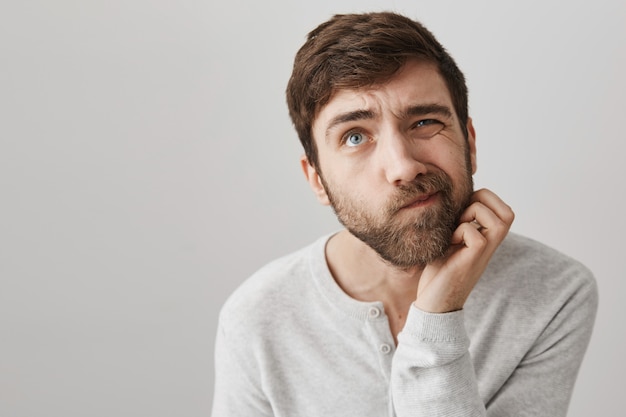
(237, 391)
(542, 383)
(432, 372)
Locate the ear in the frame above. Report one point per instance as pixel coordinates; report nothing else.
(314, 181)
(471, 141)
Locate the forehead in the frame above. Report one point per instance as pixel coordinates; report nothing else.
(416, 83)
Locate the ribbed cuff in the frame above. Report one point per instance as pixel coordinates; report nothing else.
(434, 327)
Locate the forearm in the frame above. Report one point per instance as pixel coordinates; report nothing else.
(432, 373)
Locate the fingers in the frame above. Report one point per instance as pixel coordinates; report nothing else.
(492, 216)
(446, 284)
(494, 203)
(470, 234)
(484, 225)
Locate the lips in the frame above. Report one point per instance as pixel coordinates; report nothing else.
(420, 200)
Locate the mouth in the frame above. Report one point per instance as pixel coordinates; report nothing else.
(422, 200)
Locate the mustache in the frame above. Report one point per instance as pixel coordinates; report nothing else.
(429, 183)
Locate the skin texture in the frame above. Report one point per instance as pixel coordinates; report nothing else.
(373, 144)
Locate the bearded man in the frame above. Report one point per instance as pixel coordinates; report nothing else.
(425, 304)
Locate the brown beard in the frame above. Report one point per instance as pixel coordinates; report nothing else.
(406, 244)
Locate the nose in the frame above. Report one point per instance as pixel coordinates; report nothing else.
(399, 159)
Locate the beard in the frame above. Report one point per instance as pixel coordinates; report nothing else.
(417, 237)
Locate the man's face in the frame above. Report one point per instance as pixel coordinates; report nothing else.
(394, 164)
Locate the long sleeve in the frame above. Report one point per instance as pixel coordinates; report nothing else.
(432, 373)
(290, 343)
(542, 383)
(238, 389)
(528, 352)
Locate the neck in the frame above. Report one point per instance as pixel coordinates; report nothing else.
(364, 276)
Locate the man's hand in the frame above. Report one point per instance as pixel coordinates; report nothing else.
(445, 284)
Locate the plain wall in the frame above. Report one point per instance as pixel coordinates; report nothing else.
(148, 166)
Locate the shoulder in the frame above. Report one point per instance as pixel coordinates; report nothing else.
(533, 308)
(524, 269)
(275, 288)
(537, 261)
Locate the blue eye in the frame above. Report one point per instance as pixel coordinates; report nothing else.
(355, 139)
(427, 128)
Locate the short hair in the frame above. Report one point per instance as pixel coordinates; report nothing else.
(351, 51)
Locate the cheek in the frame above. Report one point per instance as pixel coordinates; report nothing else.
(459, 156)
(358, 198)
(457, 165)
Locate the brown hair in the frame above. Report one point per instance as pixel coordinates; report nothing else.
(358, 50)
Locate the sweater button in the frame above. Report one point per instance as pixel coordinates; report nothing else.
(385, 348)
(373, 312)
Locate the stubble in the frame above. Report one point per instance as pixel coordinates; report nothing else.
(406, 238)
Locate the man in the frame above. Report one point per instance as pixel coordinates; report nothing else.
(425, 305)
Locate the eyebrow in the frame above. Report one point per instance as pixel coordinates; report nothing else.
(350, 116)
(411, 111)
(423, 109)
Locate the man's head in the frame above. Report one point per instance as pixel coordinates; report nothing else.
(381, 110)
(358, 50)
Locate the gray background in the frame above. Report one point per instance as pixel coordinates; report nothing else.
(148, 166)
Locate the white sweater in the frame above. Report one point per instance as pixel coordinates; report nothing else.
(291, 343)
